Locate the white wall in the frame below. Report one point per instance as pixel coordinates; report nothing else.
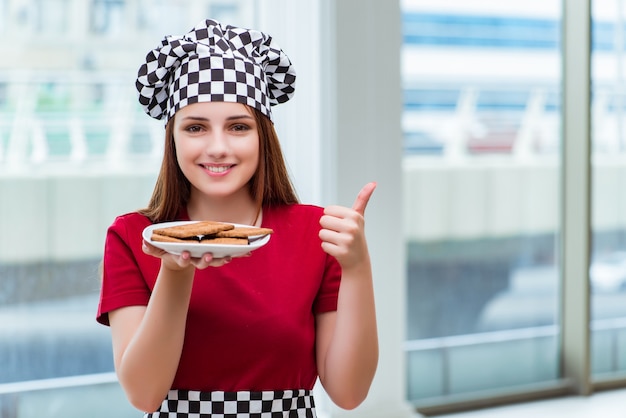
(364, 91)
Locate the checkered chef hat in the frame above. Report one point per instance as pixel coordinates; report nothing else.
(213, 63)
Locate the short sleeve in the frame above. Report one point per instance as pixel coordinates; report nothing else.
(326, 299)
(123, 283)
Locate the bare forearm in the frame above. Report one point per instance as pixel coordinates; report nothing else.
(147, 366)
(352, 354)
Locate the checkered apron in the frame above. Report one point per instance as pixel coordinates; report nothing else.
(243, 404)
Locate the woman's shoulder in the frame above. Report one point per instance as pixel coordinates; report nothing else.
(130, 221)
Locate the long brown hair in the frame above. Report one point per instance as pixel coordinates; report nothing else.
(270, 185)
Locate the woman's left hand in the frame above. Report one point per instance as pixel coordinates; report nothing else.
(343, 230)
(184, 260)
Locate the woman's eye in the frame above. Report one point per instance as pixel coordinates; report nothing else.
(240, 127)
(193, 129)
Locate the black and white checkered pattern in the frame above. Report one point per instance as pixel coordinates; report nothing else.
(211, 63)
(245, 404)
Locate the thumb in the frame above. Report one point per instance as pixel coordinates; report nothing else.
(363, 197)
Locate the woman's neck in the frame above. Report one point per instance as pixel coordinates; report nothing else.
(239, 208)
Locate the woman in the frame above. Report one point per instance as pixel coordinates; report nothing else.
(247, 335)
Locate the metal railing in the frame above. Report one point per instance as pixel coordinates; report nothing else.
(73, 120)
(610, 348)
(94, 396)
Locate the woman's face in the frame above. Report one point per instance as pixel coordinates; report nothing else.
(217, 147)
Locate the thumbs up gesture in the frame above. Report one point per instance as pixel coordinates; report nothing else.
(343, 230)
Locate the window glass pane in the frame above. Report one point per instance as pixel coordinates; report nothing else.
(168, 15)
(608, 258)
(76, 150)
(107, 17)
(3, 15)
(481, 167)
(52, 17)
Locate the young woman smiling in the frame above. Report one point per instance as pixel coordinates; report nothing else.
(235, 336)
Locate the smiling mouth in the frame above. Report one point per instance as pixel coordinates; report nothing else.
(217, 169)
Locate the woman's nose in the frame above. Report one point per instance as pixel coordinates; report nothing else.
(217, 144)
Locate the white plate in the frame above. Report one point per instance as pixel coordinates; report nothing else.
(196, 250)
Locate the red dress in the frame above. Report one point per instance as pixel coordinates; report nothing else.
(251, 323)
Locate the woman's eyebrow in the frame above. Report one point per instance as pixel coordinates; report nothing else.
(203, 118)
(195, 118)
(240, 117)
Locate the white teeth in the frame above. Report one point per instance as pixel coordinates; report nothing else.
(219, 169)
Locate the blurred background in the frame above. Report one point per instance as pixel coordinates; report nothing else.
(481, 191)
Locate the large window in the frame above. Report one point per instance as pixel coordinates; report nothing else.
(608, 255)
(481, 167)
(512, 289)
(76, 150)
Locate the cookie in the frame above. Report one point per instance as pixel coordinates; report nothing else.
(244, 232)
(165, 238)
(194, 229)
(225, 241)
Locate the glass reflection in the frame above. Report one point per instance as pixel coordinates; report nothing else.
(75, 151)
(607, 272)
(481, 167)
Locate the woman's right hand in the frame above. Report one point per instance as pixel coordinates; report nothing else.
(184, 260)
